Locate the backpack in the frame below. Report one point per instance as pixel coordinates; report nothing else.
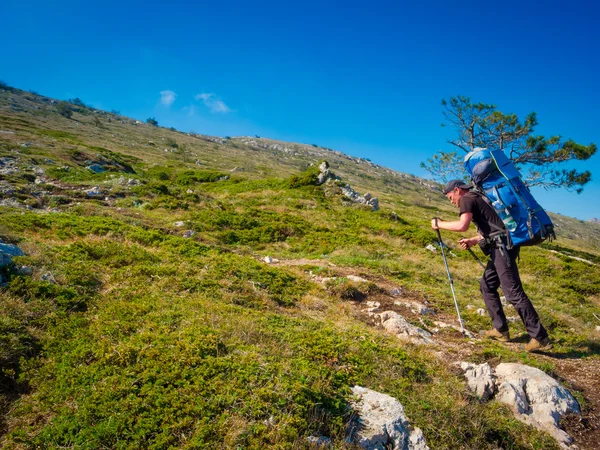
(497, 178)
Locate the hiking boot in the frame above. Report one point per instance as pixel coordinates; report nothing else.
(502, 336)
(538, 346)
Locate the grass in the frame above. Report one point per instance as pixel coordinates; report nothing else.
(143, 338)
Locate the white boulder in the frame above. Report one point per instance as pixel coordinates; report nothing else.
(382, 424)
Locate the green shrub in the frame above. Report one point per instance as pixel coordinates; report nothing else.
(65, 110)
(190, 177)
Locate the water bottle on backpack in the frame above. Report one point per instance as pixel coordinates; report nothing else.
(504, 214)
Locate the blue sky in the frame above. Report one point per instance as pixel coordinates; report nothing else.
(366, 78)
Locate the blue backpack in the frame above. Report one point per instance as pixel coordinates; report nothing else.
(495, 176)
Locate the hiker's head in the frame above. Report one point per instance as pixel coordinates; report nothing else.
(455, 190)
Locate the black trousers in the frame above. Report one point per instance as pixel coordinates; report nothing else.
(497, 273)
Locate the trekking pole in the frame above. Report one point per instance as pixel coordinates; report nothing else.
(476, 258)
(462, 327)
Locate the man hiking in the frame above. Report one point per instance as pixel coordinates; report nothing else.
(501, 269)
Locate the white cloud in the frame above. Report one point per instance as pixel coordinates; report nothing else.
(213, 103)
(167, 97)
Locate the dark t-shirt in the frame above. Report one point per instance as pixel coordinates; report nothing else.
(483, 213)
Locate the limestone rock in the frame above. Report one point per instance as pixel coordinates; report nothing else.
(357, 279)
(382, 423)
(320, 441)
(93, 192)
(398, 326)
(480, 379)
(536, 398)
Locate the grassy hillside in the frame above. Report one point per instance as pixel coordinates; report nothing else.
(151, 319)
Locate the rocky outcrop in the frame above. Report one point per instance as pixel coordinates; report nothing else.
(381, 423)
(326, 175)
(480, 379)
(535, 397)
(397, 325)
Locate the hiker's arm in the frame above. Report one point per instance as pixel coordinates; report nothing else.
(458, 225)
(469, 242)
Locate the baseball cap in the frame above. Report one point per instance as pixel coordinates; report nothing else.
(452, 184)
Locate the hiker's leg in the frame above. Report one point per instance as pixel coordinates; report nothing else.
(515, 295)
(489, 284)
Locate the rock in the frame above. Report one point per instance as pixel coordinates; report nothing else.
(443, 325)
(371, 306)
(480, 379)
(396, 292)
(431, 248)
(179, 224)
(25, 270)
(7, 251)
(536, 398)
(357, 279)
(49, 277)
(319, 441)
(416, 307)
(368, 196)
(470, 307)
(93, 192)
(481, 312)
(189, 233)
(398, 326)
(373, 203)
(268, 259)
(382, 423)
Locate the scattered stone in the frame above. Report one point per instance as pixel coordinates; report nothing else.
(470, 306)
(189, 191)
(480, 379)
(371, 307)
(597, 327)
(503, 300)
(25, 271)
(189, 233)
(320, 441)
(443, 325)
(431, 248)
(381, 423)
(179, 224)
(416, 307)
(93, 192)
(397, 325)
(268, 259)
(513, 319)
(49, 277)
(481, 312)
(396, 292)
(357, 279)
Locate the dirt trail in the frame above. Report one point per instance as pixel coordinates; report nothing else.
(578, 371)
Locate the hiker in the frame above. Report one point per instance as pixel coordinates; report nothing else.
(501, 269)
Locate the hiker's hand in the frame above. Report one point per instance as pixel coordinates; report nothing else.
(434, 224)
(466, 243)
